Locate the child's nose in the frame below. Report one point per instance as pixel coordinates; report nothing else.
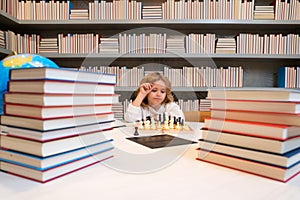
(158, 93)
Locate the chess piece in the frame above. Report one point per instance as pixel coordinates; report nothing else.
(178, 126)
(171, 123)
(153, 125)
(136, 133)
(166, 125)
(147, 125)
(158, 127)
(140, 125)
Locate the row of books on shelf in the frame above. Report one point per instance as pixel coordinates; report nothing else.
(288, 77)
(268, 44)
(180, 77)
(153, 43)
(255, 130)
(50, 127)
(136, 10)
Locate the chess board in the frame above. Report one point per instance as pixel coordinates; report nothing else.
(160, 141)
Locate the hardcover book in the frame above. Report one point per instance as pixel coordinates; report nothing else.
(254, 116)
(48, 112)
(43, 136)
(256, 143)
(281, 174)
(45, 163)
(55, 123)
(265, 130)
(59, 87)
(56, 172)
(283, 160)
(60, 99)
(261, 106)
(61, 74)
(266, 94)
(51, 147)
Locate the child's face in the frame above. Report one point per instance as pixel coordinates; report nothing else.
(157, 94)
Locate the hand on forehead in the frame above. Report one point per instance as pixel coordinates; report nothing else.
(159, 84)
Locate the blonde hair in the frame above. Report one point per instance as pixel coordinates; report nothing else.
(152, 78)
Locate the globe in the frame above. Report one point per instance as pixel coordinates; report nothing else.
(19, 61)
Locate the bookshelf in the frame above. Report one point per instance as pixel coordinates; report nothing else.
(259, 69)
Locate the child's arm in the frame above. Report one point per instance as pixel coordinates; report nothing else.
(145, 88)
(133, 113)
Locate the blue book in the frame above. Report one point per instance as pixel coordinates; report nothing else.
(286, 160)
(45, 163)
(281, 77)
(47, 175)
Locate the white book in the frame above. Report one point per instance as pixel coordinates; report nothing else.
(61, 74)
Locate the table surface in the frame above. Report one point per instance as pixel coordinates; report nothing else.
(137, 172)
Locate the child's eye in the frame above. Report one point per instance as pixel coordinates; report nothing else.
(154, 90)
(163, 91)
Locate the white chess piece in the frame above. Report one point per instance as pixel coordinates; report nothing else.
(141, 125)
(153, 124)
(171, 123)
(178, 127)
(166, 125)
(147, 125)
(158, 127)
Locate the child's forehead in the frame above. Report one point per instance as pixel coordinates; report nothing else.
(160, 84)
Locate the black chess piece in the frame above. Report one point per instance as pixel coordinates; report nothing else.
(136, 133)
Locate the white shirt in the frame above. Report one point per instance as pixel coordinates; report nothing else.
(135, 113)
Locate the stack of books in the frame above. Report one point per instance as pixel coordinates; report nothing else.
(48, 45)
(264, 12)
(175, 44)
(2, 39)
(226, 45)
(152, 12)
(79, 14)
(54, 122)
(254, 130)
(109, 45)
(205, 105)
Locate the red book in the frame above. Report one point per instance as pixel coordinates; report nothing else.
(48, 112)
(255, 105)
(254, 116)
(55, 123)
(53, 173)
(251, 142)
(257, 129)
(281, 174)
(51, 147)
(59, 87)
(60, 99)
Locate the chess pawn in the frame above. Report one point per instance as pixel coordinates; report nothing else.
(147, 125)
(140, 125)
(166, 125)
(153, 125)
(158, 127)
(178, 126)
(171, 124)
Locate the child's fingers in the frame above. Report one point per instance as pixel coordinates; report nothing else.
(147, 86)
